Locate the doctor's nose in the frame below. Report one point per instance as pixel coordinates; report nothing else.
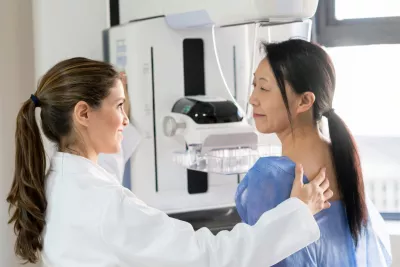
(125, 121)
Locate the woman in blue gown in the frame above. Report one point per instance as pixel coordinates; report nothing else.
(293, 89)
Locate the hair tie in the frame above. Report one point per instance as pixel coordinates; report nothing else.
(35, 100)
(328, 113)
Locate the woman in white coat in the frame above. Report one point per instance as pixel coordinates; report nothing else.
(79, 215)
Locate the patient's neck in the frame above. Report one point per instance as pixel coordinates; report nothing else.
(301, 141)
(306, 145)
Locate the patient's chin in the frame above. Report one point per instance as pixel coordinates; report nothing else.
(262, 128)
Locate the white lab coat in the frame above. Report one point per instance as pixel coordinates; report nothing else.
(92, 220)
(115, 163)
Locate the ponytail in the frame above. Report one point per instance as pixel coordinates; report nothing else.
(27, 196)
(348, 172)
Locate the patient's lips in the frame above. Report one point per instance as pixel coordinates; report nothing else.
(258, 115)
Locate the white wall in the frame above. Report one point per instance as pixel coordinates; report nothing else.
(395, 241)
(68, 28)
(17, 82)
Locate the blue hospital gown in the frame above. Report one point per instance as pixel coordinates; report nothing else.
(269, 182)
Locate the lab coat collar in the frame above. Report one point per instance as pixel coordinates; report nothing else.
(74, 164)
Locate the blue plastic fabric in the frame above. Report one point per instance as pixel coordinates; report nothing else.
(126, 180)
(269, 182)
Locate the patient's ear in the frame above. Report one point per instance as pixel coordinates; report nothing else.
(306, 101)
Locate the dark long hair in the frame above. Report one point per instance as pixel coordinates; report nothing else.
(60, 89)
(307, 67)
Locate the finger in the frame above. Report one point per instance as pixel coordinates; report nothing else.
(328, 194)
(325, 185)
(327, 205)
(299, 173)
(320, 177)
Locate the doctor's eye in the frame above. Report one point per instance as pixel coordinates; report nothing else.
(120, 105)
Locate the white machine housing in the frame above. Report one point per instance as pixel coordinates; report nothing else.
(201, 134)
(152, 50)
(221, 12)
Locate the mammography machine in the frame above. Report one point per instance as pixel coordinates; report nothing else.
(189, 66)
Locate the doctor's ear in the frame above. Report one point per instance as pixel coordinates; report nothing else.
(306, 102)
(81, 113)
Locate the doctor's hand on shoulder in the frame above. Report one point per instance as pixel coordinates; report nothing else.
(314, 194)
